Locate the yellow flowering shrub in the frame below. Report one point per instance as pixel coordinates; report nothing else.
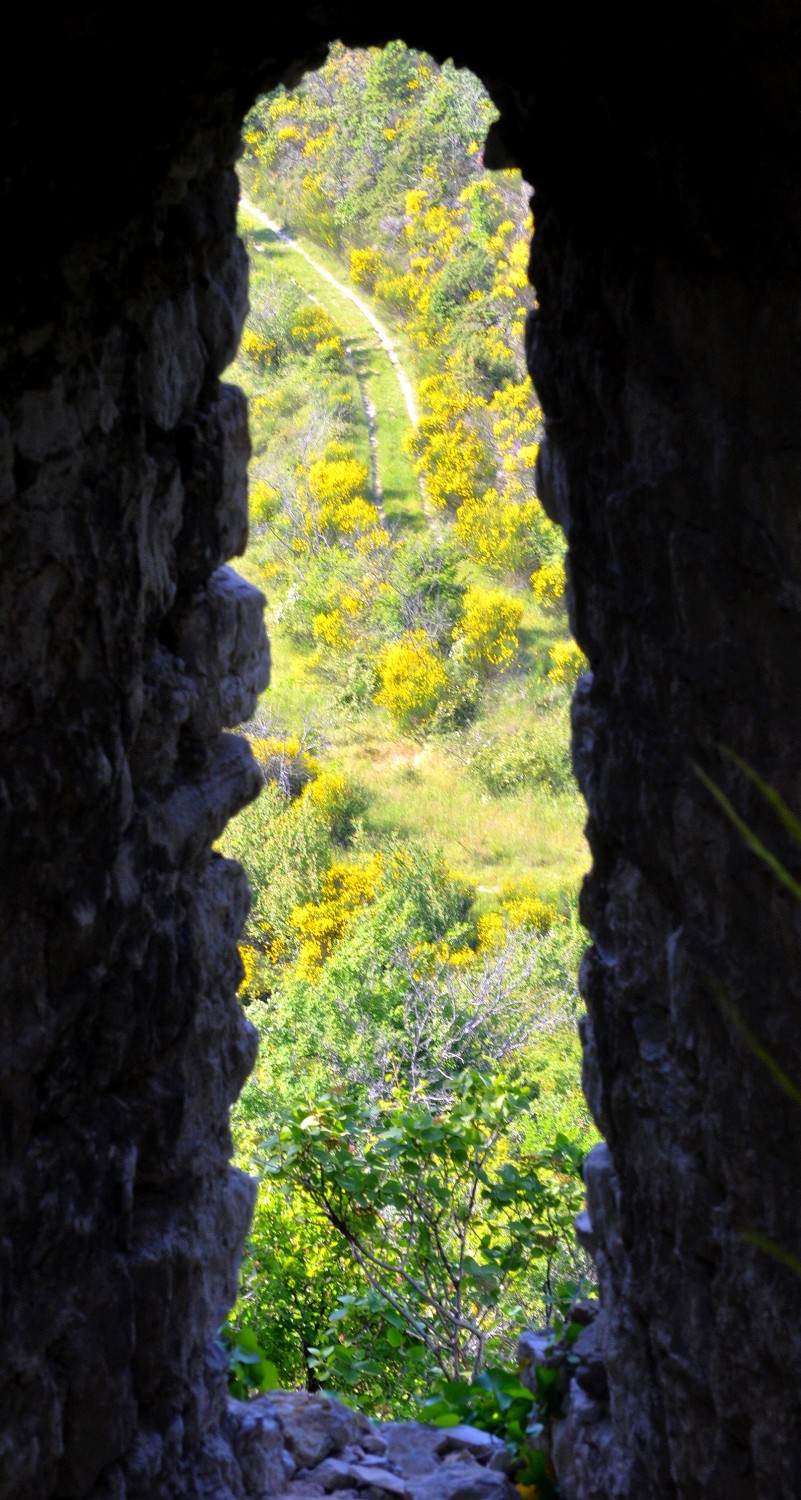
(413, 204)
(364, 266)
(491, 930)
(335, 630)
(314, 331)
(320, 925)
(339, 801)
(249, 959)
(286, 762)
(275, 946)
(317, 143)
(523, 908)
(496, 532)
(450, 458)
(413, 680)
(567, 663)
(330, 506)
(259, 348)
(489, 628)
(520, 909)
(548, 584)
(336, 481)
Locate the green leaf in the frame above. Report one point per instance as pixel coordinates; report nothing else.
(269, 1378)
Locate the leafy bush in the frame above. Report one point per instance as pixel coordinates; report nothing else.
(489, 628)
(435, 1213)
(497, 1402)
(286, 848)
(357, 685)
(461, 695)
(413, 680)
(507, 763)
(340, 801)
(468, 273)
(250, 1372)
(423, 591)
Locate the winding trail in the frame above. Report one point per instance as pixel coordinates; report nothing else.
(384, 337)
(371, 418)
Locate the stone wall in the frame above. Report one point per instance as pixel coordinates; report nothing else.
(129, 649)
(666, 353)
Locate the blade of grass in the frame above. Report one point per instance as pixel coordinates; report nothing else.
(734, 1016)
(771, 796)
(750, 838)
(784, 1257)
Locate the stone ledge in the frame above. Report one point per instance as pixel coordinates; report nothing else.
(308, 1446)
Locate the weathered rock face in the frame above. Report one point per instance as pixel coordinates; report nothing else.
(660, 356)
(666, 352)
(129, 648)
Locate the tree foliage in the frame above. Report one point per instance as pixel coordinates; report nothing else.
(438, 1210)
(416, 1194)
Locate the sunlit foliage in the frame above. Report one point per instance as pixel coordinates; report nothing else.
(413, 680)
(376, 973)
(488, 629)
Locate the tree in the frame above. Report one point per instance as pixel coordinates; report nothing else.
(438, 1211)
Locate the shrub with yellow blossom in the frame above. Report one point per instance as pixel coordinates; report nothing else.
(548, 583)
(521, 909)
(567, 663)
(497, 533)
(413, 679)
(489, 628)
(524, 908)
(320, 925)
(249, 958)
(451, 459)
(364, 266)
(340, 801)
(285, 762)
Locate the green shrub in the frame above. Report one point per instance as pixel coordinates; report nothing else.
(424, 591)
(507, 763)
(340, 801)
(358, 685)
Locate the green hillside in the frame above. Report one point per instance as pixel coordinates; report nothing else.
(416, 854)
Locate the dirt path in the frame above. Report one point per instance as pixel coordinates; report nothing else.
(384, 337)
(370, 418)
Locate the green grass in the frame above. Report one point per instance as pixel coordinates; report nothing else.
(401, 495)
(421, 789)
(424, 793)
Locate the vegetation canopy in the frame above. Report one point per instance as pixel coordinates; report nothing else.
(414, 1118)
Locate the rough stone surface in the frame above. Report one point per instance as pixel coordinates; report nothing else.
(308, 1446)
(258, 1444)
(314, 1426)
(663, 145)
